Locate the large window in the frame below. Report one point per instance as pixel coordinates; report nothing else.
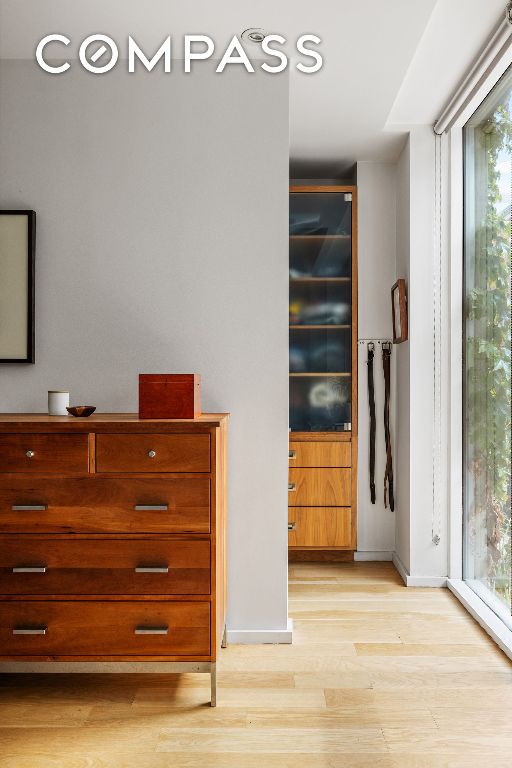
(487, 327)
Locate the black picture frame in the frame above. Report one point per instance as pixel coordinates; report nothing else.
(30, 271)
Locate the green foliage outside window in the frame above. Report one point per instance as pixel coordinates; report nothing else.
(488, 359)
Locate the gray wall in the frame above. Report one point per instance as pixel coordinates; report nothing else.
(162, 247)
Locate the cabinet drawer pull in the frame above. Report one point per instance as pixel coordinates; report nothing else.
(30, 630)
(292, 526)
(292, 486)
(151, 507)
(151, 630)
(152, 569)
(29, 507)
(29, 569)
(292, 454)
(151, 454)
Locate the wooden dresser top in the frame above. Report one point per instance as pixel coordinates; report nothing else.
(106, 422)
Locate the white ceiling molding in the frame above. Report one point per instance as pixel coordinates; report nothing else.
(495, 58)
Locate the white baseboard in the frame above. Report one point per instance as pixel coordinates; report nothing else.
(487, 619)
(417, 581)
(402, 570)
(257, 636)
(426, 581)
(367, 556)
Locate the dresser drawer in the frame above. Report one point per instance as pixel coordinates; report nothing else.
(320, 527)
(62, 566)
(152, 453)
(111, 628)
(44, 453)
(319, 487)
(306, 454)
(105, 505)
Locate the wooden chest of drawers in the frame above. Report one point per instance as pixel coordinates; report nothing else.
(112, 540)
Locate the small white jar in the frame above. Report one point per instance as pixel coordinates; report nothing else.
(57, 402)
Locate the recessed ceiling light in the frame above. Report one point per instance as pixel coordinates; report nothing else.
(254, 35)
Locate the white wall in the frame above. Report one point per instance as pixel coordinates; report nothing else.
(403, 440)
(396, 239)
(421, 558)
(162, 247)
(426, 558)
(376, 183)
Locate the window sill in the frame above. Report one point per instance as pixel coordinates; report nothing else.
(487, 619)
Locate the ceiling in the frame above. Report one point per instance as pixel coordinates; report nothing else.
(387, 64)
(453, 38)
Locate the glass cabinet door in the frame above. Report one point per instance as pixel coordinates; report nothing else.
(320, 311)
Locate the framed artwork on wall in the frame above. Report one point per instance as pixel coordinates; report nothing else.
(17, 261)
(399, 308)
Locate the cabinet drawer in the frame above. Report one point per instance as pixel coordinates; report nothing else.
(104, 567)
(104, 628)
(320, 527)
(44, 453)
(152, 453)
(105, 505)
(320, 454)
(319, 487)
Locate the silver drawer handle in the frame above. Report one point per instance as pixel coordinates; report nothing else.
(292, 486)
(29, 507)
(152, 569)
(29, 569)
(30, 630)
(151, 630)
(151, 507)
(292, 454)
(30, 454)
(151, 454)
(292, 526)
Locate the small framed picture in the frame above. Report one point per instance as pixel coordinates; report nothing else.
(399, 307)
(17, 258)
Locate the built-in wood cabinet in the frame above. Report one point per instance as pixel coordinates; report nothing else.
(112, 540)
(322, 483)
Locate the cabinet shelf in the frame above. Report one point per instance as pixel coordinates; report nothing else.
(320, 279)
(330, 374)
(320, 237)
(320, 327)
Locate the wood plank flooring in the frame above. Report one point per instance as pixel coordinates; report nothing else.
(379, 676)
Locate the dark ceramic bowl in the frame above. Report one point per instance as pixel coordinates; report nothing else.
(81, 410)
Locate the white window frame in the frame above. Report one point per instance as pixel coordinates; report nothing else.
(485, 81)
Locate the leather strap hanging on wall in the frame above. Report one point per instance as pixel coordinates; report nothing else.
(371, 403)
(388, 475)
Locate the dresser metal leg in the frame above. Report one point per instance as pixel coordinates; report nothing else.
(213, 680)
(224, 642)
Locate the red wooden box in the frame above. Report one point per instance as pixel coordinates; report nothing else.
(169, 395)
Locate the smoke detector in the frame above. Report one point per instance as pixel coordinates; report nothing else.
(254, 35)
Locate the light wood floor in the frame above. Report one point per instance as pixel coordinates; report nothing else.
(378, 675)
